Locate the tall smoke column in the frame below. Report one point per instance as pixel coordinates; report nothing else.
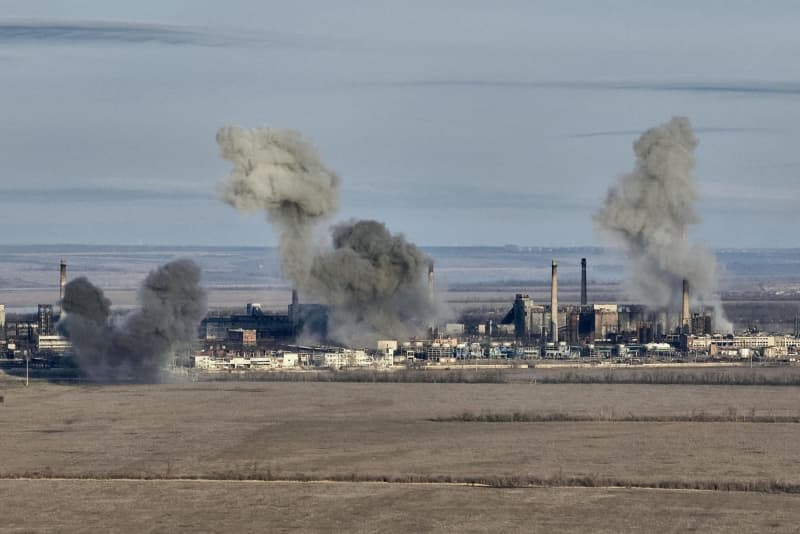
(135, 345)
(62, 282)
(554, 303)
(649, 211)
(584, 296)
(279, 172)
(374, 282)
(686, 319)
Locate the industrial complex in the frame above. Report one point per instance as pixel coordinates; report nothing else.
(255, 339)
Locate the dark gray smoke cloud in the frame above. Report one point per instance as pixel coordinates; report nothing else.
(134, 346)
(375, 283)
(650, 210)
(279, 172)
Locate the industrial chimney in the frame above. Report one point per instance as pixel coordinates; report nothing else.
(584, 299)
(686, 319)
(62, 282)
(432, 324)
(554, 304)
(430, 279)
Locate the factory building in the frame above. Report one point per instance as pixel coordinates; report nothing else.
(45, 320)
(240, 336)
(526, 318)
(50, 343)
(585, 324)
(266, 325)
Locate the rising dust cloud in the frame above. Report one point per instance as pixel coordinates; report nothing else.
(650, 210)
(374, 281)
(134, 346)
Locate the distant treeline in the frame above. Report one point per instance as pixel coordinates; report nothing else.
(492, 481)
(730, 416)
(688, 376)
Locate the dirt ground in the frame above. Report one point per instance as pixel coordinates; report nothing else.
(321, 430)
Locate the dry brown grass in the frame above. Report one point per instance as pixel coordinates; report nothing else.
(731, 415)
(197, 506)
(695, 376)
(328, 429)
(558, 480)
(384, 432)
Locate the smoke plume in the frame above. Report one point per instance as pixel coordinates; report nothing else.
(372, 281)
(279, 172)
(375, 283)
(650, 210)
(135, 345)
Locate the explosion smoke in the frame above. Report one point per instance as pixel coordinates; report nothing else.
(137, 344)
(650, 209)
(279, 172)
(373, 281)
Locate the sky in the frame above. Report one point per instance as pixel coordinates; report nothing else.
(456, 122)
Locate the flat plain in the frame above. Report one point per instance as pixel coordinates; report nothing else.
(145, 444)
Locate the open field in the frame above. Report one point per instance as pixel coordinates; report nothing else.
(367, 431)
(326, 429)
(195, 506)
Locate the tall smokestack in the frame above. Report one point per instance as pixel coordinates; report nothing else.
(584, 299)
(554, 304)
(431, 324)
(295, 298)
(686, 320)
(430, 279)
(62, 282)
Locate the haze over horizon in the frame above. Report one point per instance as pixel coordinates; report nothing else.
(485, 124)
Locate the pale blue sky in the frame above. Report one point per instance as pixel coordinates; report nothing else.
(460, 122)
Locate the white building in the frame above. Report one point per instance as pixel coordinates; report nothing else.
(289, 359)
(52, 343)
(387, 346)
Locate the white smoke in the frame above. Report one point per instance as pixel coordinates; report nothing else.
(650, 210)
(279, 172)
(374, 282)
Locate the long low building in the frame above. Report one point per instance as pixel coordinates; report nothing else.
(769, 346)
(57, 344)
(277, 360)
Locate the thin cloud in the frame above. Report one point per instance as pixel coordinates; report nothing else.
(450, 196)
(60, 31)
(97, 194)
(629, 133)
(77, 31)
(722, 87)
